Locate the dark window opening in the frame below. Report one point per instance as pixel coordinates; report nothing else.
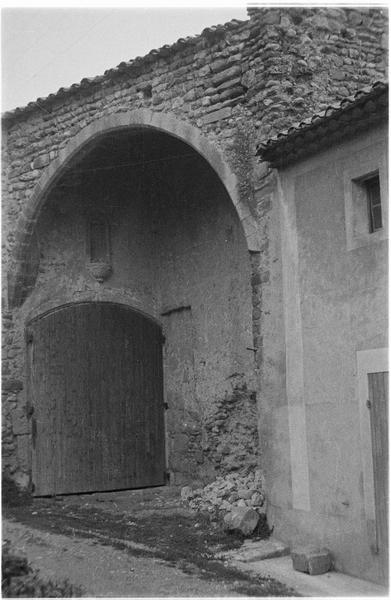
(372, 188)
(99, 241)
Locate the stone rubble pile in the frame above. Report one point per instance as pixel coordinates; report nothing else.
(232, 441)
(237, 498)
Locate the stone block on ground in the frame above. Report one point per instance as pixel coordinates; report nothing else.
(312, 560)
(186, 492)
(242, 519)
(253, 551)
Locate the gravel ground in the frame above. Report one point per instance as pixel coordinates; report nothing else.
(141, 543)
(103, 571)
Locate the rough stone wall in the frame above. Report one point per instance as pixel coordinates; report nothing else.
(231, 440)
(306, 58)
(236, 84)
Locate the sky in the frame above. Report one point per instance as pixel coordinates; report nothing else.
(44, 49)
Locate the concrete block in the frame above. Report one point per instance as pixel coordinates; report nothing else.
(319, 563)
(312, 560)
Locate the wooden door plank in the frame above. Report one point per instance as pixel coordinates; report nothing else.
(98, 396)
(378, 398)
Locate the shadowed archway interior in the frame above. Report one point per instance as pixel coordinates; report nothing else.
(139, 218)
(103, 140)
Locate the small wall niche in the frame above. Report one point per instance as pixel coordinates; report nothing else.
(98, 246)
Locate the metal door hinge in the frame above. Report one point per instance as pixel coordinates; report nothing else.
(369, 405)
(165, 404)
(167, 476)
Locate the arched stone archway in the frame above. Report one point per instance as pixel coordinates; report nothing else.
(22, 276)
(178, 246)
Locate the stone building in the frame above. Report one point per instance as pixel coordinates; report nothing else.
(139, 239)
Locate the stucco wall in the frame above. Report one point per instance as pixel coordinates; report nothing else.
(335, 306)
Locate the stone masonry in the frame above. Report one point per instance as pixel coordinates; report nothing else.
(233, 86)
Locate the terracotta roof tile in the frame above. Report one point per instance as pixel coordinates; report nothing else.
(123, 66)
(367, 106)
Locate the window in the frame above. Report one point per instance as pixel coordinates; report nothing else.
(372, 188)
(365, 191)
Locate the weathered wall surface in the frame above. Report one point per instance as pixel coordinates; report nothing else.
(178, 253)
(205, 299)
(235, 85)
(335, 306)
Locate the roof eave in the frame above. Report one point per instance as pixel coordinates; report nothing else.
(363, 110)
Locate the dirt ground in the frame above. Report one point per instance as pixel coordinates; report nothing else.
(130, 544)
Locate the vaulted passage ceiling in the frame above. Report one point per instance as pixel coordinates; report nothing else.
(132, 151)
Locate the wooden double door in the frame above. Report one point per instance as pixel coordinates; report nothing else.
(96, 399)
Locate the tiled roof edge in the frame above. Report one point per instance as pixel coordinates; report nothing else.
(319, 131)
(135, 63)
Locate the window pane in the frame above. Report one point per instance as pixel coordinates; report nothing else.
(376, 218)
(372, 187)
